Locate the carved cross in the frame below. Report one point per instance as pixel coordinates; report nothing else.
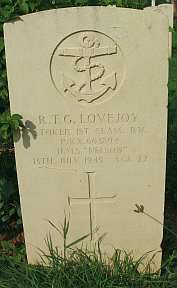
(90, 200)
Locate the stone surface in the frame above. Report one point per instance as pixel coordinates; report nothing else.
(168, 11)
(91, 84)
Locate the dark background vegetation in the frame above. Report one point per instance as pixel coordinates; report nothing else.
(10, 215)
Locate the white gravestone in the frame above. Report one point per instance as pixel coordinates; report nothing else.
(93, 81)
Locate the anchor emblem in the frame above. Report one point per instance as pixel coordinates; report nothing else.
(94, 80)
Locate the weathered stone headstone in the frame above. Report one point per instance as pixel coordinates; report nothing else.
(91, 84)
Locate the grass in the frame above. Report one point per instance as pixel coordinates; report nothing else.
(84, 269)
(77, 268)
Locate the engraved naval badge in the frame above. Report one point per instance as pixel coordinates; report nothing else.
(87, 66)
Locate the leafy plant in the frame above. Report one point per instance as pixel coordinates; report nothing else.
(10, 213)
(63, 232)
(10, 216)
(12, 251)
(9, 124)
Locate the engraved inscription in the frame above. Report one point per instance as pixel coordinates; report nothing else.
(90, 200)
(89, 140)
(81, 66)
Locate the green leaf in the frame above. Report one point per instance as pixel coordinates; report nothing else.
(23, 5)
(1, 44)
(14, 124)
(21, 124)
(7, 12)
(4, 131)
(6, 189)
(16, 135)
(16, 117)
(171, 29)
(19, 212)
(5, 218)
(2, 213)
(7, 245)
(3, 120)
(66, 227)
(77, 241)
(1, 205)
(12, 211)
(5, 117)
(32, 6)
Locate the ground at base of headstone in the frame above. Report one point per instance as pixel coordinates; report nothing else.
(85, 269)
(75, 267)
